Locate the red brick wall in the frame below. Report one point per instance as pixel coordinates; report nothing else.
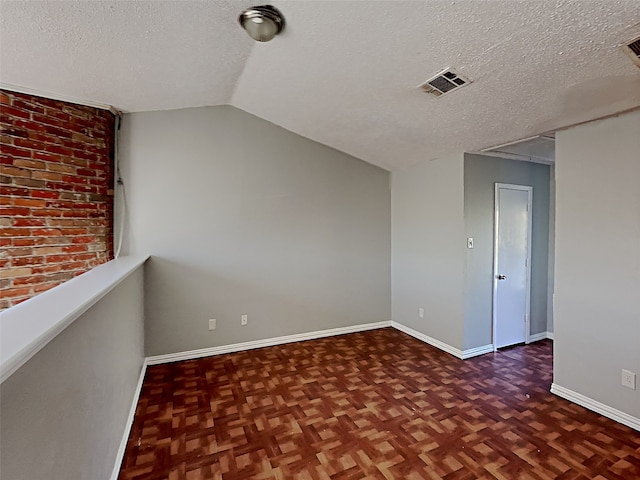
(56, 193)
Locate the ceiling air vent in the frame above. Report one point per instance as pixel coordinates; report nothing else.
(444, 82)
(632, 49)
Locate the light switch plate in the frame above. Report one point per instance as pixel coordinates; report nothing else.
(470, 242)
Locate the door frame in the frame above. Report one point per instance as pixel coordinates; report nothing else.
(527, 323)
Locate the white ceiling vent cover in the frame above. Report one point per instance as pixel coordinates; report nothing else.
(444, 82)
(632, 49)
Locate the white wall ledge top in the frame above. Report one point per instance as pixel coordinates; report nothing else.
(27, 327)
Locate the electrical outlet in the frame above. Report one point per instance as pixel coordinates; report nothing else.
(469, 242)
(244, 319)
(628, 379)
(421, 312)
(212, 324)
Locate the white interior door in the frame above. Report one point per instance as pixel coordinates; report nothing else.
(512, 264)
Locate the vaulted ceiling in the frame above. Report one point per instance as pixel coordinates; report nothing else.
(343, 73)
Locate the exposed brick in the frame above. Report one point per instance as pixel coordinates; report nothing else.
(48, 212)
(17, 292)
(28, 106)
(27, 143)
(75, 248)
(44, 287)
(14, 211)
(46, 269)
(29, 202)
(14, 232)
(47, 157)
(46, 232)
(48, 119)
(16, 172)
(30, 280)
(56, 192)
(45, 194)
(47, 175)
(22, 261)
(47, 250)
(29, 125)
(27, 241)
(29, 182)
(87, 239)
(29, 222)
(15, 112)
(14, 151)
(59, 258)
(20, 162)
(14, 191)
(61, 222)
(14, 132)
(61, 168)
(19, 252)
(15, 272)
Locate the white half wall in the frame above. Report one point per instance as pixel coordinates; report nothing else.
(65, 411)
(597, 263)
(427, 248)
(242, 217)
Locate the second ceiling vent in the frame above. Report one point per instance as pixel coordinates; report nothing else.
(444, 82)
(632, 49)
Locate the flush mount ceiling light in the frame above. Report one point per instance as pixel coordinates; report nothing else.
(262, 23)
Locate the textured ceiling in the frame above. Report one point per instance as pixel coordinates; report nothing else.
(343, 73)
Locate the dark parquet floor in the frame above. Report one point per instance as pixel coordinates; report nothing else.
(374, 405)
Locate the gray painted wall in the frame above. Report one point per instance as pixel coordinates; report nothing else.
(427, 239)
(480, 175)
(64, 411)
(597, 313)
(243, 217)
(552, 247)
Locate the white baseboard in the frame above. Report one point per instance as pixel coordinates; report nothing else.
(536, 337)
(456, 352)
(595, 406)
(268, 342)
(430, 340)
(474, 352)
(129, 424)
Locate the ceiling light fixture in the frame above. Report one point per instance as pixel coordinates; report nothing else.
(262, 23)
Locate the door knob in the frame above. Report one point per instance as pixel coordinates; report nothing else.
(502, 277)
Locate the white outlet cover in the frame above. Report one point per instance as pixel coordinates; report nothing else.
(244, 319)
(421, 312)
(212, 324)
(628, 379)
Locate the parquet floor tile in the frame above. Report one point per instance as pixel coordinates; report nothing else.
(370, 405)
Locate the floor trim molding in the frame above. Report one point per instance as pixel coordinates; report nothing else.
(536, 337)
(456, 352)
(474, 352)
(267, 342)
(127, 428)
(595, 406)
(429, 340)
